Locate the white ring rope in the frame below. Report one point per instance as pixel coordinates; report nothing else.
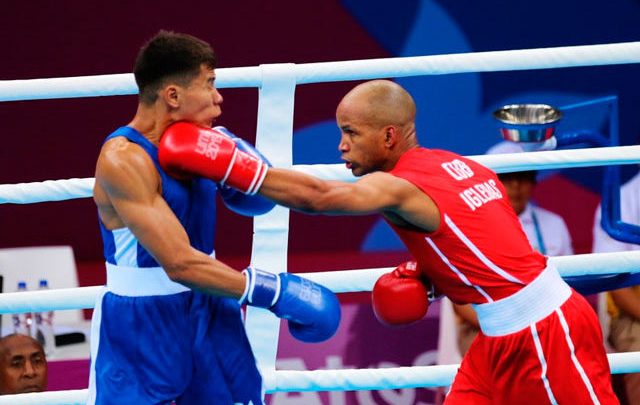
(540, 58)
(593, 264)
(400, 377)
(48, 190)
(501, 163)
(70, 397)
(331, 380)
(56, 190)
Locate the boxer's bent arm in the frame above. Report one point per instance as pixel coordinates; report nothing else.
(378, 192)
(131, 183)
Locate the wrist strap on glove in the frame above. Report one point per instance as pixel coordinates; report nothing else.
(410, 270)
(262, 289)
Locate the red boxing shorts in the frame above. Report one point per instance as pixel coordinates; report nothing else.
(556, 358)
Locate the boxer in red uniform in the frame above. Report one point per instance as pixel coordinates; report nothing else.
(540, 340)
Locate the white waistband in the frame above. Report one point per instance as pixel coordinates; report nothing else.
(533, 303)
(141, 281)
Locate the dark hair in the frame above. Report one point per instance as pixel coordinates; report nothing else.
(170, 56)
(529, 175)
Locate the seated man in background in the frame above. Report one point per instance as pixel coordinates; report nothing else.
(623, 304)
(546, 231)
(23, 365)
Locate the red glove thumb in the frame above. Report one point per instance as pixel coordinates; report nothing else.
(398, 299)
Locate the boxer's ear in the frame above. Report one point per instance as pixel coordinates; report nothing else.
(170, 94)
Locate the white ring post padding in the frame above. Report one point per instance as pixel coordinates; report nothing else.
(274, 139)
(495, 61)
(56, 190)
(331, 380)
(337, 281)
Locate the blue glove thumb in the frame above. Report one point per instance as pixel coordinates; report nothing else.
(243, 204)
(312, 310)
(236, 201)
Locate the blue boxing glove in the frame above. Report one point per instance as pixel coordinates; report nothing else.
(236, 201)
(312, 310)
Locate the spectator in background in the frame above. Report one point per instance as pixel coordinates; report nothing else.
(23, 365)
(546, 231)
(623, 305)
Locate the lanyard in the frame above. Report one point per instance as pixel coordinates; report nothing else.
(536, 226)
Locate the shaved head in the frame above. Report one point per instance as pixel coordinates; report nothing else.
(377, 122)
(380, 102)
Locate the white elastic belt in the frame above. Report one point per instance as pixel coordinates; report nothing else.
(533, 303)
(141, 281)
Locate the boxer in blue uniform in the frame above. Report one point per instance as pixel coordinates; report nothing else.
(168, 326)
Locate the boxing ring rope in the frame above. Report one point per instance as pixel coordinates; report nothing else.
(343, 281)
(495, 61)
(277, 82)
(58, 190)
(328, 380)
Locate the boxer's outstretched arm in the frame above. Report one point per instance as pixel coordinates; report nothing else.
(378, 192)
(310, 194)
(128, 190)
(212, 153)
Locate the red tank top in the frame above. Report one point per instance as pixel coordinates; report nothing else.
(479, 253)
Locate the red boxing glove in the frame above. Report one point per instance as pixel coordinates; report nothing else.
(400, 297)
(186, 147)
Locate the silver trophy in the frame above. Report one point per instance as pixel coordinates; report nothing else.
(531, 125)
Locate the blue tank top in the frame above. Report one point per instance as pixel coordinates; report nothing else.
(192, 201)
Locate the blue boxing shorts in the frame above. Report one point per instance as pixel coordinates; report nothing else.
(155, 341)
